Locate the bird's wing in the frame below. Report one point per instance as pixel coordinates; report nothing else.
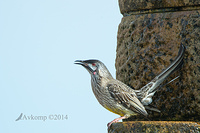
(145, 93)
(125, 96)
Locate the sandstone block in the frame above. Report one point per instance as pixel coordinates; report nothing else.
(147, 44)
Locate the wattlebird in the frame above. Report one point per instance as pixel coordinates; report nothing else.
(119, 98)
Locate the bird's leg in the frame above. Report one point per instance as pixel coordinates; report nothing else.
(115, 120)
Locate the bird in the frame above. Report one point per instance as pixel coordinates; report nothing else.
(118, 97)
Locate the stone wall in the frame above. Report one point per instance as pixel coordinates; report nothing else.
(144, 6)
(149, 37)
(154, 127)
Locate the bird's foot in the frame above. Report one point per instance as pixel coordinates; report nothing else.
(115, 120)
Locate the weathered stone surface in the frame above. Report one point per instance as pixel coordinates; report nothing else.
(127, 6)
(148, 43)
(154, 127)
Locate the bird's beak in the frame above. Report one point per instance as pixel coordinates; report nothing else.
(81, 62)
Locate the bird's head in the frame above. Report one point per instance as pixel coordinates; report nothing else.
(95, 67)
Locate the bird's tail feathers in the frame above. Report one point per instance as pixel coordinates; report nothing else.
(176, 64)
(169, 81)
(178, 61)
(149, 107)
(146, 92)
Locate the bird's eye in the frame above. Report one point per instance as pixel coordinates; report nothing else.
(93, 64)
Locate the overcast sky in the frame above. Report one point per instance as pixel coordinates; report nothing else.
(39, 42)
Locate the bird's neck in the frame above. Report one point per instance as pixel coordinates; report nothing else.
(102, 80)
